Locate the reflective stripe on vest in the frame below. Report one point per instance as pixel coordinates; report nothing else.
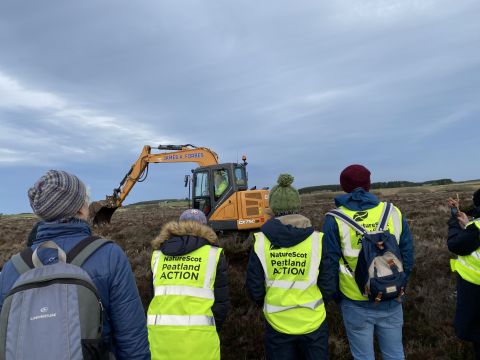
(156, 257)
(347, 283)
(212, 265)
(293, 302)
(184, 291)
(273, 309)
(468, 266)
(181, 320)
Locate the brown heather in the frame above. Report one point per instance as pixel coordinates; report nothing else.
(430, 301)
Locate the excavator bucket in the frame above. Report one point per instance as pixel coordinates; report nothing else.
(101, 212)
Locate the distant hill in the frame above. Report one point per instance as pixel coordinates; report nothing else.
(311, 189)
(377, 185)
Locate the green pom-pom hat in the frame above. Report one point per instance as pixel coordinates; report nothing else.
(284, 199)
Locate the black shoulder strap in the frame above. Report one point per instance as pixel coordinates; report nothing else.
(84, 249)
(23, 260)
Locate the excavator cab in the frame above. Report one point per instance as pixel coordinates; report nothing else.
(221, 192)
(213, 183)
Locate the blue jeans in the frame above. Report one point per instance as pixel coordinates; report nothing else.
(363, 321)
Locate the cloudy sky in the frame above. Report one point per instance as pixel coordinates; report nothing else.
(305, 87)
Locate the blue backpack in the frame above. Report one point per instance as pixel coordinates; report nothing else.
(379, 273)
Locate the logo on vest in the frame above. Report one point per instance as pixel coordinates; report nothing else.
(183, 267)
(288, 263)
(360, 215)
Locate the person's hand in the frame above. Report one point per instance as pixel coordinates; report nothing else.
(462, 218)
(460, 215)
(452, 203)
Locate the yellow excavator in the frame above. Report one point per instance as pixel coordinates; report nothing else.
(219, 190)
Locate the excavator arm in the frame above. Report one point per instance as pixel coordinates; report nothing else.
(102, 211)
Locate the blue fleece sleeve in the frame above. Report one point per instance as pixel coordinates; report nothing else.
(126, 315)
(332, 253)
(2, 295)
(326, 276)
(255, 282)
(406, 248)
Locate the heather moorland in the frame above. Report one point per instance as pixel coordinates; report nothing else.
(430, 300)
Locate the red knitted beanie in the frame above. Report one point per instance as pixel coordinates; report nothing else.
(355, 176)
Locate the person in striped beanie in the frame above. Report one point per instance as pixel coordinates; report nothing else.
(60, 200)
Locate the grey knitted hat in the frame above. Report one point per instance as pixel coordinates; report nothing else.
(193, 215)
(57, 195)
(284, 198)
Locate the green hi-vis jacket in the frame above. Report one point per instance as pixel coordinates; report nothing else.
(351, 243)
(221, 188)
(468, 266)
(180, 319)
(293, 302)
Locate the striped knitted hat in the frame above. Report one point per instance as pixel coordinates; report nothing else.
(57, 195)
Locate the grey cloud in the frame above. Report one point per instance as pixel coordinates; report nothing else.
(308, 87)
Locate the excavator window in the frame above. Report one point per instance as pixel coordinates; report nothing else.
(202, 192)
(201, 184)
(240, 176)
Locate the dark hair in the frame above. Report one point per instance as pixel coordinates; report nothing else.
(476, 198)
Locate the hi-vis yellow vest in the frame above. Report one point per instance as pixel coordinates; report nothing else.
(293, 302)
(180, 319)
(468, 267)
(221, 188)
(350, 242)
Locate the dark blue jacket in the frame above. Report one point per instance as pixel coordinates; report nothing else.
(464, 242)
(125, 325)
(358, 200)
(284, 236)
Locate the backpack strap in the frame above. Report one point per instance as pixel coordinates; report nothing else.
(62, 257)
(23, 260)
(339, 214)
(84, 249)
(382, 224)
(350, 222)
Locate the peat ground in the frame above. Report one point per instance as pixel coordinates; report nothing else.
(430, 301)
